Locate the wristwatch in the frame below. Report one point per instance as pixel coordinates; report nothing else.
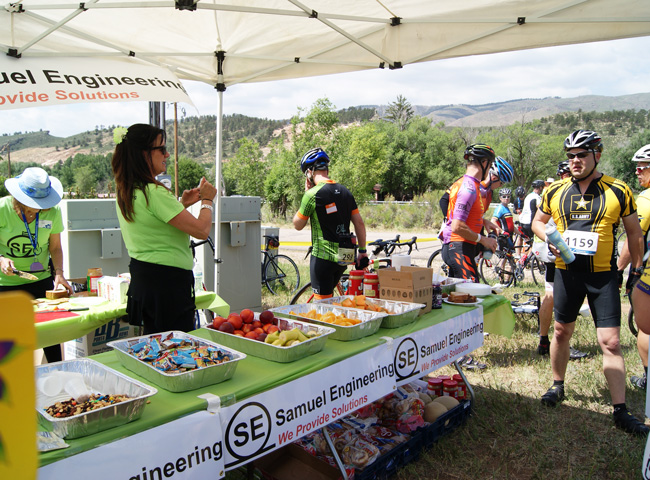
(638, 270)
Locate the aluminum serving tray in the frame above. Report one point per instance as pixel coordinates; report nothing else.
(370, 321)
(403, 312)
(101, 379)
(177, 382)
(273, 352)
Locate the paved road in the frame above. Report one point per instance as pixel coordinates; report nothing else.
(295, 244)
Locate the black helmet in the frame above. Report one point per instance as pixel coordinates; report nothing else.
(563, 168)
(314, 159)
(520, 191)
(586, 139)
(479, 150)
(538, 184)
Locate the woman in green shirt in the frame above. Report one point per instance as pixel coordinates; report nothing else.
(156, 228)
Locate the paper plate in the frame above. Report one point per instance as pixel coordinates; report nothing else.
(468, 304)
(476, 289)
(87, 301)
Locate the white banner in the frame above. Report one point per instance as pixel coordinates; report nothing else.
(187, 448)
(267, 421)
(39, 82)
(427, 350)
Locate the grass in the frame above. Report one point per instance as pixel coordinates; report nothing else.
(510, 435)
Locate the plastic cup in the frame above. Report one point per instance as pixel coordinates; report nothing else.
(49, 384)
(76, 387)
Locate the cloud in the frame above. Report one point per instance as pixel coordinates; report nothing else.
(610, 68)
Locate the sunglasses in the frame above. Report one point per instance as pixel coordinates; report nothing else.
(162, 148)
(571, 156)
(640, 169)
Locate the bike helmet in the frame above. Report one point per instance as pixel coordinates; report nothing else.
(479, 150)
(503, 170)
(505, 192)
(586, 139)
(314, 159)
(520, 191)
(563, 168)
(642, 154)
(538, 184)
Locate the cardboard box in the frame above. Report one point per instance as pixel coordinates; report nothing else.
(112, 289)
(95, 342)
(410, 284)
(294, 463)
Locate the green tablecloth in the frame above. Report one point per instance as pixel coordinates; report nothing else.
(65, 329)
(255, 375)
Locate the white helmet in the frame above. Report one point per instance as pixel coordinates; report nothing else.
(642, 154)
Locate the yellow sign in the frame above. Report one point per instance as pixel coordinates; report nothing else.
(18, 456)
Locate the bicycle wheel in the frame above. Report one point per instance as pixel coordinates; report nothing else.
(437, 263)
(306, 294)
(498, 269)
(539, 267)
(281, 275)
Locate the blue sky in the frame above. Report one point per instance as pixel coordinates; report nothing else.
(613, 68)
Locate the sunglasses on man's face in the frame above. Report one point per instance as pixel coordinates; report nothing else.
(580, 155)
(162, 148)
(640, 169)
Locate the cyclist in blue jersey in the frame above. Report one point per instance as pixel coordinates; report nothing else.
(330, 207)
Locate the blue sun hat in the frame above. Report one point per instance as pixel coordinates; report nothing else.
(34, 188)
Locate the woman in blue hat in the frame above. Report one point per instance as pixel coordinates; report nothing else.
(30, 235)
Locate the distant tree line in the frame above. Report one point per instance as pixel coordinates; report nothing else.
(400, 156)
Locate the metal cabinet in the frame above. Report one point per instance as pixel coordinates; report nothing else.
(92, 238)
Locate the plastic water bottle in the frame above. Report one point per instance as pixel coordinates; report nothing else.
(198, 277)
(556, 239)
(487, 253)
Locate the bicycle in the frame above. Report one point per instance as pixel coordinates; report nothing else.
(505, 269)
(527, 308)
(280, 274)
(388, 247)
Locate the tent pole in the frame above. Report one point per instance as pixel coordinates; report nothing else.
(217, 184)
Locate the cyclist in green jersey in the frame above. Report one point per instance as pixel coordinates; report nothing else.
(330, 207)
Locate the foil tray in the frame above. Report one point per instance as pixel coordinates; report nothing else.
(101, 379)
(177, 382)
(404, 312)
(273, 352)
(370, 321)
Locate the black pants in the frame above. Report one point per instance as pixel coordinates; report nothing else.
(37, 290)
(160, 298)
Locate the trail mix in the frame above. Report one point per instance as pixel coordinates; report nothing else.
(69, 408)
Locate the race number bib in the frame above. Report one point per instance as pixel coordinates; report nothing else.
(581, 243)
(345, 256)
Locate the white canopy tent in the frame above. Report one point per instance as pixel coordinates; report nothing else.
(239, 41)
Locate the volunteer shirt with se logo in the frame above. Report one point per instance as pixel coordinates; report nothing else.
(329, 206)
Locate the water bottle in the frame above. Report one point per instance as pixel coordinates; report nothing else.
(198, 277)
(487, 253)
(553, 236)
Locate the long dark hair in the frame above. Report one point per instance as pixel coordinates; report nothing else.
(132, 165)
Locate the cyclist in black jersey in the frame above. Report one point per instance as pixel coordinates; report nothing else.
(330, 207)
(585, 210)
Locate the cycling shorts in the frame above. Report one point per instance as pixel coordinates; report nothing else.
(601, 290)
(325, 275)
(525, 227)
(644, 282)
(460, 258)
